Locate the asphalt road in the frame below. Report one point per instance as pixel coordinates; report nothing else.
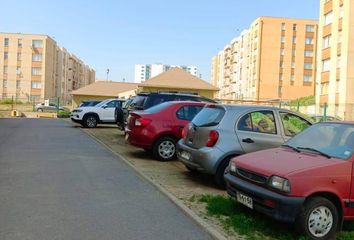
(58, 183)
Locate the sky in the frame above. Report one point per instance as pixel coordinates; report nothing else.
(118, 34)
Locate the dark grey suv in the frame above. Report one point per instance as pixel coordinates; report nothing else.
(220, 132)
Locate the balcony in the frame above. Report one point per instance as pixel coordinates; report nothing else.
(326, 53)
(327, 30)
(324, 77)
(328, 7)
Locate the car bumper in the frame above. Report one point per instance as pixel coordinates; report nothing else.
(138, 138)
(75, 118)
(203, 160)
(282, 208)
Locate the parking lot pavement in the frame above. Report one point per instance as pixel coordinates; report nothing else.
(58, 183)
(172, 175)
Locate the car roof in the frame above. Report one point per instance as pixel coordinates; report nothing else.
(338, 122)
(168, 93)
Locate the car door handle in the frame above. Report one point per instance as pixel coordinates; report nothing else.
(247, 140)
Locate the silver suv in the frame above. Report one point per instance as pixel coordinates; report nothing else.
(220, 132)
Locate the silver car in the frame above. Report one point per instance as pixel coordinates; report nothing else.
(41, 107)
(220, 132)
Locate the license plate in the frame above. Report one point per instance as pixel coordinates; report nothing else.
(245, 200)
(185, 155)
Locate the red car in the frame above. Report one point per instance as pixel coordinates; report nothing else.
(158, 128)
(308, 181)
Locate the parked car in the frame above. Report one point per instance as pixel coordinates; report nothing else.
(103, 112)
(41, 107)
(321, 118)
(158, 128)
(89, 103)
(309, 180)
(144, 101)
(220, 132)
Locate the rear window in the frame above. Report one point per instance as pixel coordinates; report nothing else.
(159, 107)
(153, 100)
(209, 117)
(138, 102)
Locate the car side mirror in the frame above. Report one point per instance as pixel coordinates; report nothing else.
(104, 107)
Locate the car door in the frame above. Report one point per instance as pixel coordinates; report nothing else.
(107, 111)
(258, 130)
(292, 124)
(184, 115)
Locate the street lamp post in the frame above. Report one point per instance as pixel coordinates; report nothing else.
(107, 73)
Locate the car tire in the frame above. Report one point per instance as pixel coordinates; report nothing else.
(165, 149)
(318, 219)
(39, 110)
(90, 121)
(220, 172)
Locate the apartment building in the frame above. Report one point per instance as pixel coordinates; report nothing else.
(274, 59)
(335, 59)
(33, 68)
(144, 72)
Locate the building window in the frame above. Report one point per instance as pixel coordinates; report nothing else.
(19, 56)
(308, 53)
(309, 40)
(294, 27)
(310, 28)
(5, 69)
(292, 78)
(37, 43)
(283, 26)
(328, 18)
(36, 84)
(282, 39)
(294, 40)
(4, 83)
(19, 43)
(18, 84)
(293, 52)
(36, 71)
(341, 12)
(307, 78)
(281, 64)
(280, 77)
(18, 70)
(340, 37)
(339, 60)
(280, 89)
(282, 51)
(292, 64)
(6, 42)
(324, 88)
(36, 57)
(327, 41)
(326, 64)
(35, 98)
(308, 66)
(6, 55)
(337, 86)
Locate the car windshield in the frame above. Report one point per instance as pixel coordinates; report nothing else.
(158, 107)
(138, 102)
(103, 103)
(328, 139)
(209, 116)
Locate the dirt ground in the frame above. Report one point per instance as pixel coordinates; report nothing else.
(172, 176)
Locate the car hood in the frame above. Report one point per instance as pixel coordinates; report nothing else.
(282, 161)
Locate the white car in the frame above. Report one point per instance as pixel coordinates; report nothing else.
(101, 113)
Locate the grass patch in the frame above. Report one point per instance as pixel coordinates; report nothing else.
(63, 114)
(10, 101)
(254, 225)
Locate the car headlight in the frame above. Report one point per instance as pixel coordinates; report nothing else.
(77, 110)
(232, 166)
(280, 183)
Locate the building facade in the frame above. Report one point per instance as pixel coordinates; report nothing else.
(144, 72)
(274, 59)
(335, 59)
(34, 68)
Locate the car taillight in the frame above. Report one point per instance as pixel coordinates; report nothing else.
(142, 122)
(184, 132)
(213, 138)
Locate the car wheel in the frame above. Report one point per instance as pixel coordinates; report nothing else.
(90, 121)
(39, 110)
(220, 172)
(165, 149)
(318, 219)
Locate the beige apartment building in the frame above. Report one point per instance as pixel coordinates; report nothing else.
(34, 68)
(274, 59)
(335, 59)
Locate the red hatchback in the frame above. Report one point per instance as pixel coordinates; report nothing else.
(309, 180)
(158, 128)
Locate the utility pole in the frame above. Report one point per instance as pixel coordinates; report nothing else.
(107, 73)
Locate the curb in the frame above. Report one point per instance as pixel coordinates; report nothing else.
(198, 220)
